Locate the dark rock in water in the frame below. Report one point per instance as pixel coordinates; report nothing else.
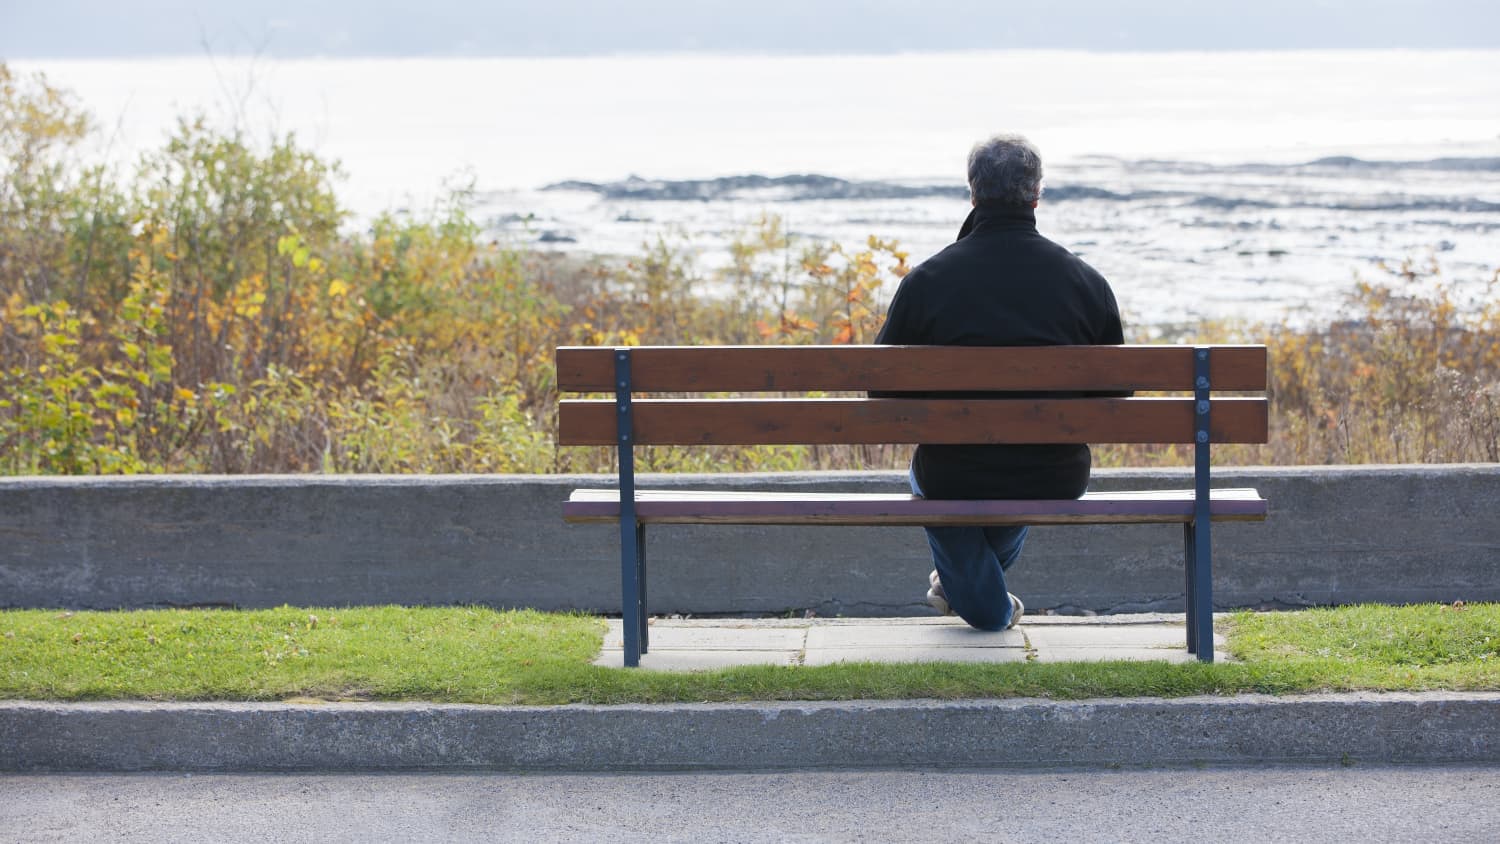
(1457, 204)
(810, 186)
(555, 237)
(1341, 161)
(1450, 163)
(792, 188)
(511, 219)
(1063, 193)
(1230, 203)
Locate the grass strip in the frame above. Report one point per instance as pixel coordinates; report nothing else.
(477, 655)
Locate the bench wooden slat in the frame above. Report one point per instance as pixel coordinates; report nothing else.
(686, 369)
(760, 508)
(828, 421)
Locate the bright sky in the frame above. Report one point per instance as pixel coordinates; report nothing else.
(300, 28)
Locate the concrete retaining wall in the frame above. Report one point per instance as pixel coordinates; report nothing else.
(1335, 535)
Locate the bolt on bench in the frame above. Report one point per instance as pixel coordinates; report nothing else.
(626, 421)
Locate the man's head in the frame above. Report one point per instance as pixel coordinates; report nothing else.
(1005, 170)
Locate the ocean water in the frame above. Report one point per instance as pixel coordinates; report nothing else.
(1202, 184)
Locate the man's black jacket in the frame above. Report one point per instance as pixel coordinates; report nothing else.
(1002, 284)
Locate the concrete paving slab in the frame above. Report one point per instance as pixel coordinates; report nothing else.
(1032, 619)
(699, 644)
(745, 623)
(1133, 654)
(734, 637)
(933, 620)
(952, 634)
(913, 653)
(1114, 636)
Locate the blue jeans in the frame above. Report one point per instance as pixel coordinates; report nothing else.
(971, 562)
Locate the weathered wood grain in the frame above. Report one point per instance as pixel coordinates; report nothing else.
(687, 369)
(984, 421)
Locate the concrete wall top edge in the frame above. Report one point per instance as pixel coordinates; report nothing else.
(17, 483)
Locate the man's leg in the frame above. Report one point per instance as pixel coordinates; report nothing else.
(971, 564)
(1006, 542)
(973, 576)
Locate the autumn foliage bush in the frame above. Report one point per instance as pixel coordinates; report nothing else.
(212, 310)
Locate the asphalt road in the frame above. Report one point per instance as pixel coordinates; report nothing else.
(1401, 803)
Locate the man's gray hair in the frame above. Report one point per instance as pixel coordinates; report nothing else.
(1005, 170)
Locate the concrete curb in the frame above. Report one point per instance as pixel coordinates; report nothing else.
(128, 736)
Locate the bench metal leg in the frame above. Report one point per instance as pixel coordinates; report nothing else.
(640, 568)
(630, 592)
(1197, 564)
(1202, 618)
(1189, 546)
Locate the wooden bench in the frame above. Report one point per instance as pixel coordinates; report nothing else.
(626, 421)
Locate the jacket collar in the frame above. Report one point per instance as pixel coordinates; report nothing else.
(991, 216)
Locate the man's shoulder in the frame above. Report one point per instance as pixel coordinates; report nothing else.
(1061, 252)
(1063, 256)
(960, 255)
(933, 269)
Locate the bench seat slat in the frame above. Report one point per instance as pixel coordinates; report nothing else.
(799, 508)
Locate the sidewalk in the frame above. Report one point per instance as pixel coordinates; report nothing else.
(679, 644)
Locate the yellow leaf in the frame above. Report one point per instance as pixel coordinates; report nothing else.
(337, 288)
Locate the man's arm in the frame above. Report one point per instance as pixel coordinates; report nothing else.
(1111, 333)
(899, 328)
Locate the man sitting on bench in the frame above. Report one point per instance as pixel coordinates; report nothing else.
(1001, 284)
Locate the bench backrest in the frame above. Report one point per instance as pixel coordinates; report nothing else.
(1197, 370)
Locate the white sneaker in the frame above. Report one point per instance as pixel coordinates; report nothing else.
(938, 600)
(935, 595)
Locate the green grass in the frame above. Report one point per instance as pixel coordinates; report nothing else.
(478, 655)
